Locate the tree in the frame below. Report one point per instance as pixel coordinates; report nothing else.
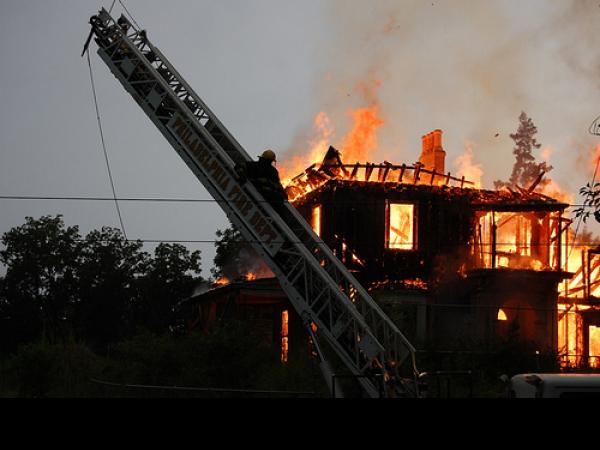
(108, 274)
(99, 289)
(235, 258)
(170, 277)
(228, 245)
(591, 203)
(525, 170)
(38, 292)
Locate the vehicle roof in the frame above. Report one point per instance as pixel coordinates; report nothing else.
(572, 378)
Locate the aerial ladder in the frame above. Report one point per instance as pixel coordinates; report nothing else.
(331, 303)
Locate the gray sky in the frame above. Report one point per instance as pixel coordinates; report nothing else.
(267, 68)
(237, 56)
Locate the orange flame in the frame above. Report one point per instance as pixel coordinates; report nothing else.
(552, 189)
(222, 281)
(362, 139)
(356, 145)
(549, 186)
(594, 333)
(547, 154)
(318, 146)
(594, 159)
(467, 168)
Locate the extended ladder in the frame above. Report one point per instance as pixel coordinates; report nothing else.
(326, 296)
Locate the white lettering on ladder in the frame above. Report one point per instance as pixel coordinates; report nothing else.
(229, 188)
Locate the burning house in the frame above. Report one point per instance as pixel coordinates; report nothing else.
(471, 263)
(260, 302)
(455, 266)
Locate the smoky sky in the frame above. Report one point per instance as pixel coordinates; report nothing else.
(468, 67)
(267, 68)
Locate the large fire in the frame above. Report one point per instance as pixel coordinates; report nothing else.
(361, 141)
(515, 246)
(317, 147)
(579, 295)
(357, 145)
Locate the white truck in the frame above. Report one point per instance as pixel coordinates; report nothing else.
(563, 385)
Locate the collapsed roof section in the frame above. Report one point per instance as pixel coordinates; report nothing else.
(396, 179)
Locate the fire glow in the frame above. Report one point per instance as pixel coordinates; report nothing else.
(523, 241)
(357, 145)
(401, 234)
(285, 317)
(508, 240)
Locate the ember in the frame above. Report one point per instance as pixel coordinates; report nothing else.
(416, 284)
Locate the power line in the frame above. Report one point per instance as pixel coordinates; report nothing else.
(155, 241)
(107, 199)
(130, 16)
(409, 252)
(200, 389)
(179, 200)
(192, 200)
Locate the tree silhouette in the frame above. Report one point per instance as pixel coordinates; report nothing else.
(99, 289)
(525, 170)
(39, 288)
(170, 277)
(107, 286)
(235, 258)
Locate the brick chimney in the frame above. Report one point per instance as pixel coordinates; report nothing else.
(433, 156)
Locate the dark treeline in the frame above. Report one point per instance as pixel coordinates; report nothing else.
(74, 309)
(98, 289)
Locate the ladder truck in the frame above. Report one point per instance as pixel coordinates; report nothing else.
(332, 304)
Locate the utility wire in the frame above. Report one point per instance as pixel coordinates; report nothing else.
(112, 184)
(179, 200)
(130, 16)
(199, 389)
(107, 199)
(251, 241)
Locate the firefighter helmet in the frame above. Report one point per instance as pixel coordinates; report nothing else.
(269, 155)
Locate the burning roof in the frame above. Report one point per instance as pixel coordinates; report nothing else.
(424, 175)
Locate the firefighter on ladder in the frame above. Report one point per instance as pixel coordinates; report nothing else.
(265, 178)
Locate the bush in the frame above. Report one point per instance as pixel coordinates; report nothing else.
(51, 370)
(229, 357)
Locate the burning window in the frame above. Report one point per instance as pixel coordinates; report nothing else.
(316, 220)
(594, 347)
(517, 240)
(284, 336)
(570, 335)
(401, 227)
(502, 315)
